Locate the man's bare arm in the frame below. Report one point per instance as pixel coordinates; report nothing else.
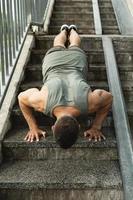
(100, 101)
(26, 104)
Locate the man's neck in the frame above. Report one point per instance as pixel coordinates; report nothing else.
(65, 111)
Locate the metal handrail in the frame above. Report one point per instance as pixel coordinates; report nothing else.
(15, 19)
(97, 17)
(122, 127)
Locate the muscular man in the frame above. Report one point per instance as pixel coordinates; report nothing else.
(65, 93)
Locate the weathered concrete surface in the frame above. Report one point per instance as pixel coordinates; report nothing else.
(61, 174)
(10, 97)
(72, 12)
(92, 194)
(130, 5)
(14, 147)
(124, 16)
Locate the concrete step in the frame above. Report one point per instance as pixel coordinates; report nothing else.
(17, 119)
(94, 57)
(15, 148)
(105, 9)
(76, 16)
(87, 42)
(107, 27)
(127, 86)
(79, 23)
(61, 180)
(109, 22)
(107, 13)
(110, 31)
(123, 44)
(73, 3)
(90, 43)
(105, 3)
(81, 30)
(107, 16)
(72, 12)
(96, 73)
(74, 8)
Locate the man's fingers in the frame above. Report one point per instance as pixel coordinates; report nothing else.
(90, 138)
(86, 133)
(95, 138)
(37, 137)
(26, 137)
(32, 138)
(99, 138)
(103, 137)
(43, 133)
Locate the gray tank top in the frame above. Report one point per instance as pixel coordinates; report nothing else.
(65, 75)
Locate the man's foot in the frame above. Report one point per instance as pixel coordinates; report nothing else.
(74, 27)
(64, 27)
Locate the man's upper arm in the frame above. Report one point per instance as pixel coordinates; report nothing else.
(24, 97)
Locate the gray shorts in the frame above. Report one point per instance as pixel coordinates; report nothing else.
(60, 48)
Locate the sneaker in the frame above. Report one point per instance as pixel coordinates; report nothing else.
(72, 26)
(64, 27)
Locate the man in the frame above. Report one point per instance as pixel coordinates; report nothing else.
(65, 93)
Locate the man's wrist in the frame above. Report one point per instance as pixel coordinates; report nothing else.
(33, 127)
(96, 127)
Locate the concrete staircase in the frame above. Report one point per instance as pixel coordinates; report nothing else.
(81, 13)
(108, 19)
(88, 170)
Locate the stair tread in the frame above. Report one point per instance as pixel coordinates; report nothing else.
(72, 1)
(61, 174)
(82, 20)
(92, 67)
(87, 50)
(66, 12)
(15, 138)
(73, 6)
(76, 1)
(91, 83)
(43, 51)
(80, 27)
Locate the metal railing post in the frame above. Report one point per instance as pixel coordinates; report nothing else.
(12, 28)
(4, 19)
(15, 18)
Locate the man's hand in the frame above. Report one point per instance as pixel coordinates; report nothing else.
(95, 134)
(34, 135)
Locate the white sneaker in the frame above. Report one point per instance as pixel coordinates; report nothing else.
(64, 27)
(72, 26)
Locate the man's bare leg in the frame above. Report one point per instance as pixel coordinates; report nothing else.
(60, 39)
(74, 38)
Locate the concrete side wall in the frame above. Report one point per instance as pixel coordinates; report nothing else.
(124, 14)
(9, 99)
(130, 6)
